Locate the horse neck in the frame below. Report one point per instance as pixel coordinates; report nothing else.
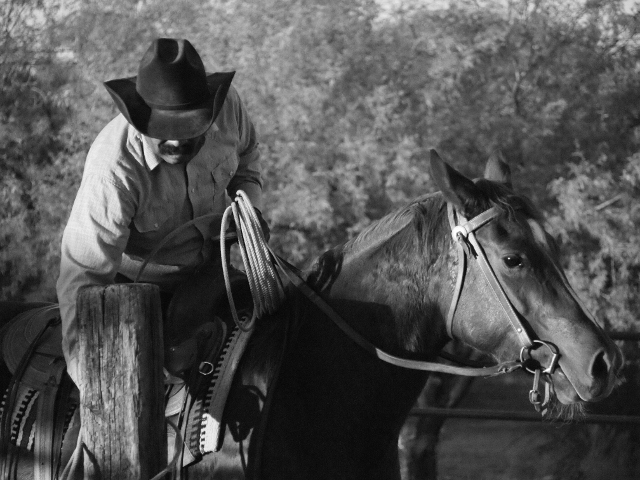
(386, 287)
(323, 366)
(390, 289)
(394, 286)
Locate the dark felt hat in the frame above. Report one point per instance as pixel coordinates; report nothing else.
(172, 97)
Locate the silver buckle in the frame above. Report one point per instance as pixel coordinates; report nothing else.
(459, 233)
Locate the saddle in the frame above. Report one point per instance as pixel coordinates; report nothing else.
(19, 335)
(203, 356)
(188, 336)
(31, 346)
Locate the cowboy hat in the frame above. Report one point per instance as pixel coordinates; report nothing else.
(172, 97)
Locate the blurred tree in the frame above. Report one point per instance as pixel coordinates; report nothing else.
(31, 117)
(347, 102)
(535, 79)
(598, 221)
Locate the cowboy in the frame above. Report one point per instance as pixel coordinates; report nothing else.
(182, 138)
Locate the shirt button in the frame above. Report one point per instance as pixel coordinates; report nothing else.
(193, 190)
(231, 173)
(155, 225)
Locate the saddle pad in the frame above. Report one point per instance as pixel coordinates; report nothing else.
(20, 334)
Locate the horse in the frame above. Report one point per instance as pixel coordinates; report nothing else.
(327, 381)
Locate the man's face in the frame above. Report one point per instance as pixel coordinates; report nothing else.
(176, 151)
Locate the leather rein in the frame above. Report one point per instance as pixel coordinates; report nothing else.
(467, 247)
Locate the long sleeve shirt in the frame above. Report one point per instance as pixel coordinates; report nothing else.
(129, 200)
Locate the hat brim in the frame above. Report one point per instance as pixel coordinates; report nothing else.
(170, 124)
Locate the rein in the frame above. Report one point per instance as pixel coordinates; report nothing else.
(467, 246)
(301, 285)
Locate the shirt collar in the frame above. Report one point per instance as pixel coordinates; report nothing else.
(150, 158)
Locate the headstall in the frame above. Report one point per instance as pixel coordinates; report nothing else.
(468, 247)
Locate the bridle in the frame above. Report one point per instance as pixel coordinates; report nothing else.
(467, 247)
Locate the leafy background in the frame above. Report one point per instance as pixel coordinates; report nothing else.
(348, 97)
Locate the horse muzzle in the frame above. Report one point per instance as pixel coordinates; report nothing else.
(592, 383)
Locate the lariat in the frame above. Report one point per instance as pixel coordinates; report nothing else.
(264, 281)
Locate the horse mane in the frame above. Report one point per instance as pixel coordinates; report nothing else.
(426, 217)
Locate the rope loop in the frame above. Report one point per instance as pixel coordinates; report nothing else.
(264, 281)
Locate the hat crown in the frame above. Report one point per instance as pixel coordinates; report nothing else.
(172, 76)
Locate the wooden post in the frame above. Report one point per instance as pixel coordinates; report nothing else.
(121, 381)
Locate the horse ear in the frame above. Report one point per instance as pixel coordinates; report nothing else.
(497, 169)
(456, 188)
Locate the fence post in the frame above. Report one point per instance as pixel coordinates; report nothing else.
(121, 381)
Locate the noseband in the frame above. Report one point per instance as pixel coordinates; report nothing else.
(467, 246)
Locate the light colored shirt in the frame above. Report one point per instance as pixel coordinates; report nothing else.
(129, 200)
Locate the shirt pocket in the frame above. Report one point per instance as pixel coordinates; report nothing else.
(155, 216)
(222, 174)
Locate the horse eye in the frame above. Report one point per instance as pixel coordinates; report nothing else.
(512, 261)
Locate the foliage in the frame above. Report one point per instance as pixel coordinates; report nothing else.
(598, 223)
(32, 112)
(347, 100)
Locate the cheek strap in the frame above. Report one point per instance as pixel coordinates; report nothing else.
(467, 246)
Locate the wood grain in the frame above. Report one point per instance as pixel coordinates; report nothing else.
(121, 381)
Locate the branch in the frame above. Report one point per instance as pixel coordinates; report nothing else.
(611, 201)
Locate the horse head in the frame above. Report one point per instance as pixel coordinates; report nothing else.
(580, 361)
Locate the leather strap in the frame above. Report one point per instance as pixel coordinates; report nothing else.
(222, 377)
(500, 294)
(200, 381)
(464, 236)
(467, 243)
(462, 269)
(46, 448)
(498, 369)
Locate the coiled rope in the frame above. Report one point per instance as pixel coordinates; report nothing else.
(264, 281)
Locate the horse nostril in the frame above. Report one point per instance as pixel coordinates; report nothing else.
(600, 366)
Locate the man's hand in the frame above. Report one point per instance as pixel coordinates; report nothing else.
(266, 231)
